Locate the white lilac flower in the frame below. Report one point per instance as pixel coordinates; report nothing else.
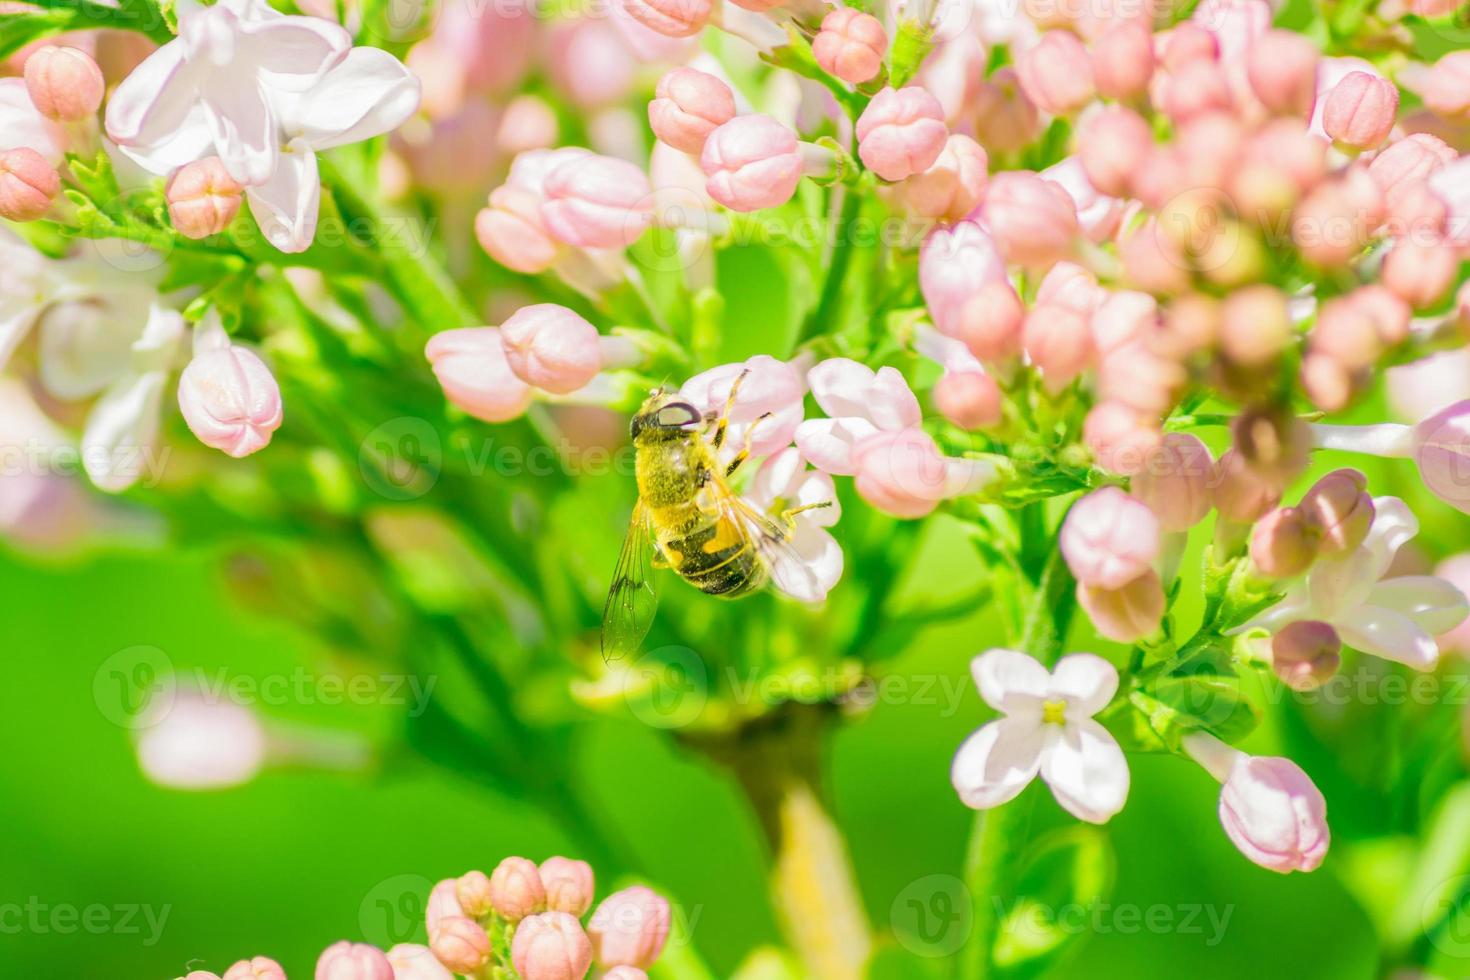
(813, 564)
(1047, 728)
(22, 125)
(264, 92)
(1396, 618)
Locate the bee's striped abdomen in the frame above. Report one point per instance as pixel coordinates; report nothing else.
(716, 558)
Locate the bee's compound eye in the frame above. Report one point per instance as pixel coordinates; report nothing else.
(677, 415)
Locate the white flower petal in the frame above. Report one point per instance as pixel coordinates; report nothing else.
(815, 488)
(1393, 524)
(1086, 681)
(1434, 604)
(1086, 771)
(22, 125)
(368, 94)
(14, 325)
(84, 347)
(1340, 585)
(995, 763)
(287, 205)
(242, 126)
(121, 429)
(828, 442)
(1390, 635)
(150, 106)
(810, 567)
(1293, 606)
(292, 54)
(191, 141)
(891, 403)
(1011, 681)
(777, 478)
(840, 385)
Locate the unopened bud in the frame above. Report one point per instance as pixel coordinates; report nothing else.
(472, 891)
(203, 198)
(1125, 614)
(1283, 543)
(1341, 509)
(1240, 493)
(1306, 654)
(64, 84)
(568, 884)
(28, 184)
(460, 944)
(1272, 442)
(969, 399)
(516, 890)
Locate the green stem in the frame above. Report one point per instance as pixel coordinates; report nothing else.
(996, 839)
(852, 203)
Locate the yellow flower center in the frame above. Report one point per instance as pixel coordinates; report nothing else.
(1053, 712)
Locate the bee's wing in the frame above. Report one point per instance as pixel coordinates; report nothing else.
(790, 570)
(631, 601)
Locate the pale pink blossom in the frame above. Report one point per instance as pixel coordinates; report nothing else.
(353, 961)
(1128, 613)
(594, 201)
(1109, 538)
(256, 968)
(1282, 68)
(461, 944)
(189, 741)
(688, 105)
(516, 888)
(475, 374)
(770, 388)
(551, 946)
(1360, 110)
(589, 62)
(1447, 86)
(1269, 808)
(227, 394)
(443, 903)
(64, 83)
(1112, 146)
(1046, 728)
(850, 45)
(901, 132)
(1033, 220)
(671, 18)
(412, 961)
(953, 185)
(955, 262)
(1098, 215)
(568, 885)
(1123, 60)
(551, 347)
(202, 198)
(903, 473)
(28, 184)
(859, 402)
(630, 927)
(752, 162)
(1177, 484)
(1056, 73)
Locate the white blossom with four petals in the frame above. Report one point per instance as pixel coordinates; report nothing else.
(265, 92)
(859, 402)
(813, 563)
(1047, 728)
(1394, 618)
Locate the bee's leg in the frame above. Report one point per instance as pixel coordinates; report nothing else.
(744, 454)
(718, 439)
(788, 516)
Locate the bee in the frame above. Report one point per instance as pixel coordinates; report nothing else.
(687, 519)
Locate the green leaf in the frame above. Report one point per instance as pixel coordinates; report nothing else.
(1203, 700)
(1067, 874)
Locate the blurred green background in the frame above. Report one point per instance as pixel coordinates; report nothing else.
(297, 860)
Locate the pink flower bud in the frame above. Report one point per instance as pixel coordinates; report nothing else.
(258, 968)
(1113, 146)
(1305, 654)
(202, 198)
(414, 962)
(1256, 325)
(28, 184)
(1176, 485)
(954, 262)
(1058, 342)
(512, 233)
(953, 185)
(969, 399)
(460, 944)
(1389, 314)
(1283, 543)
(64, 83)
(1188, 43)
(1153, 260)
(596, 201)
(515, 888)
(1005, 119)
(1241, 495)
(625, 973)
(752, 162)
(629, 927)
(1122, 438)
(1276, 816)
(1360, 110)
(1033, 220)
(1273, 442)
(472, 368)
(1124, 318)
(1109, 538)
(1123, 61)
(688, 106)
(1137, 376)
(230, 400)
(989, 322)
(1056, 73)
(1069, 284)
(1329, 383)
(1195, 89)
(443, 903)
(1412, 159)
(851, 45)
(1447, 87)
(1421, 272)
(552, 946)
(901, 132)
(1128, 613)
(353, 961)
(1282, 68)
(568, 884)
(472, 892)
(1346, 332)
(1340, 510)
(671, 18)
(551, 347)
(529, 123)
